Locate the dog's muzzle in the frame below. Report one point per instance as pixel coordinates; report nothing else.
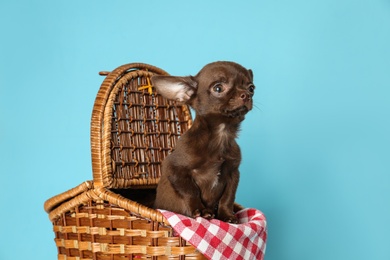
(240, 111)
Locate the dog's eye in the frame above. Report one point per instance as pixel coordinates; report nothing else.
(218, 88)
(251, 89)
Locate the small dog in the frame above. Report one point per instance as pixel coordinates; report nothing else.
(200, 177)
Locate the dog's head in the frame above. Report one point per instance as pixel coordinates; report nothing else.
(220, 88)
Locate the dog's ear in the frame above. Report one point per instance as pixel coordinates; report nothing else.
(250, 74)
(175, 88)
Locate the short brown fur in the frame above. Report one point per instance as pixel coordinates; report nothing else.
(200, 177)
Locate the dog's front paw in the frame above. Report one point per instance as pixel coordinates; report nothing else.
(196, 213)
(208, 214)
(204, 213)
(229, 218)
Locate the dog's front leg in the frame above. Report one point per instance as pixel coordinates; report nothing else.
(187, 189)
(226, 203)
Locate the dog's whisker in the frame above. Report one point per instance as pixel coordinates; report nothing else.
(258, 108)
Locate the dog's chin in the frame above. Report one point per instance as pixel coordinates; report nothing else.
(239, 112)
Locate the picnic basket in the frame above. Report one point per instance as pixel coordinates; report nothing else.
(133, 129)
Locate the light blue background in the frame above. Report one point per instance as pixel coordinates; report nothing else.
(316, 149)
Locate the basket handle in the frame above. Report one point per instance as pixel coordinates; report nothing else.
(98, 114)
(55, 201)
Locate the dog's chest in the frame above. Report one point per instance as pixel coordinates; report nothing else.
(217, 148)
(209, 176)
(222, 136)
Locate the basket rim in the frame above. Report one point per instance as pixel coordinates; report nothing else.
(57, 200)
(81, 194)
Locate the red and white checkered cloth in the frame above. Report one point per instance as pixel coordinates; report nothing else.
(216, 239)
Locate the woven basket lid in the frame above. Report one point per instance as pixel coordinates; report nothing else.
(133, 128)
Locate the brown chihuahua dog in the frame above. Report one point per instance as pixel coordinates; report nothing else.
(200, 177)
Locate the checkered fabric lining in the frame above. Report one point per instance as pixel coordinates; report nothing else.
(220, 240)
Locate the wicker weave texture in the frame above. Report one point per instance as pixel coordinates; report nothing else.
(100, 230)
(138, 128)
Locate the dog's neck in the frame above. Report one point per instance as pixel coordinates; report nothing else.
(217, 131)
(216, 124)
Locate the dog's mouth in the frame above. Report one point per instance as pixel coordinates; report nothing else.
(237, 112)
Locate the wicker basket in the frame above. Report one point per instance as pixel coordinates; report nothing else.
(132, 130)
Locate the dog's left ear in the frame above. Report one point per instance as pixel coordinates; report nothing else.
(175, 88)
(251, 74)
